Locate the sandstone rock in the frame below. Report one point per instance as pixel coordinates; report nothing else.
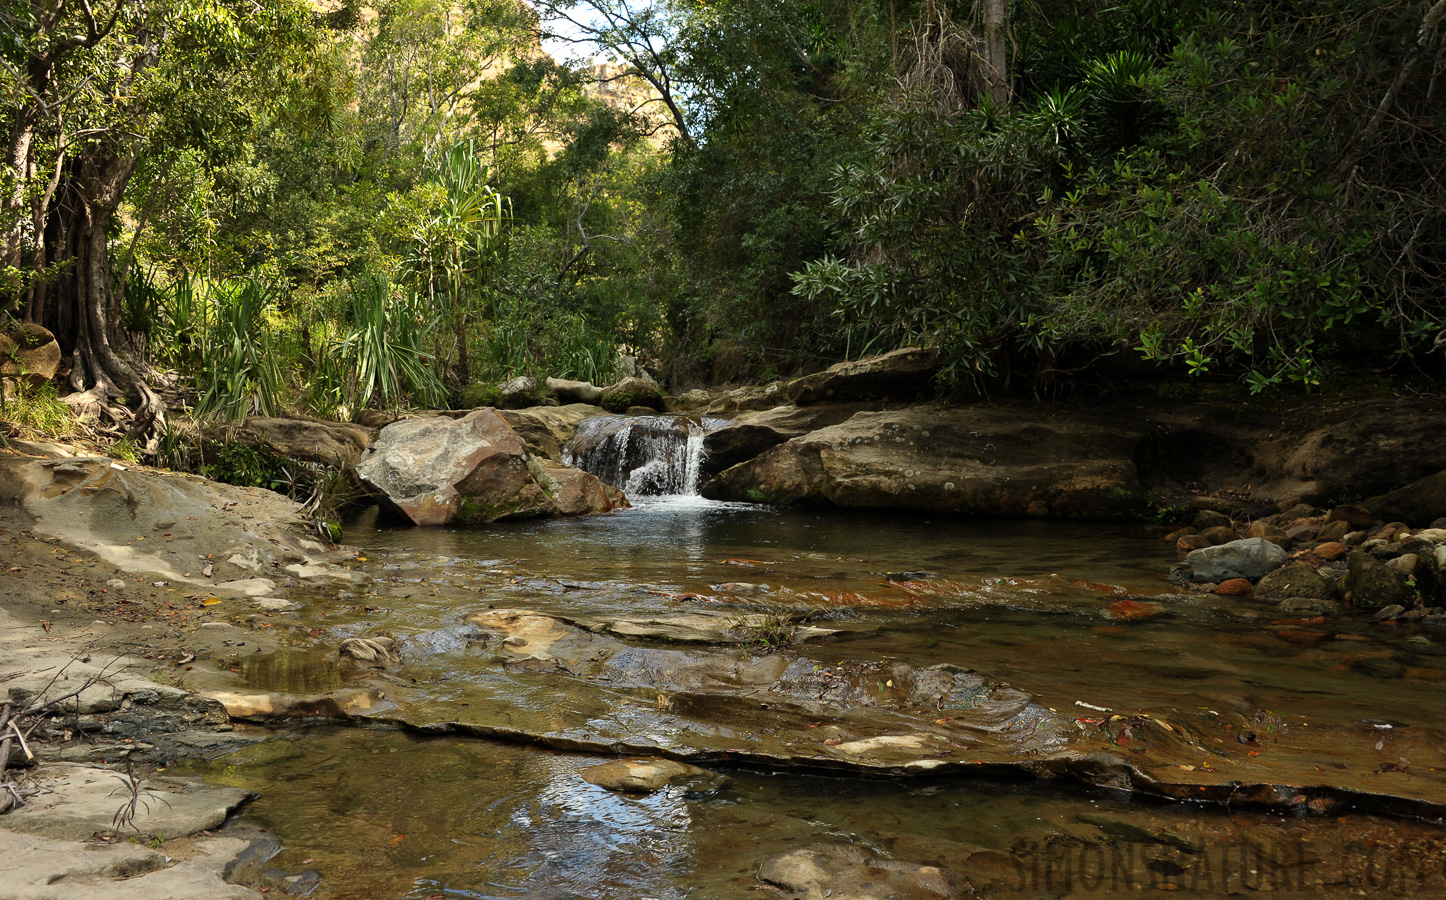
(335, 444)
(1249, 558)
(435, 471)
(1193, 542)
(1386, 613)
(42, 868)
(1297, 580)
(575, 391)
(29, 351)
(1333, 531)
(1235, 587)
(630, 392)
(754, 432)
(1404, 565)
(849, 872)
(519, 393)
(1329, 551)
(1219, 534)
(902, 374)
(1302, 533)
(1270, 532)
(1420, 501)
(1352, 516)
(574, 492)
(1391, 532)
(1209, 518)
(647, 775)
(546, 430)
(103, 507)
(82, 800)
(750, 399)
(1370, 585)
(695, 400)
(974, 460)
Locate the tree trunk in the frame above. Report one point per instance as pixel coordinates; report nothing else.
(996, 50)
(83, 299)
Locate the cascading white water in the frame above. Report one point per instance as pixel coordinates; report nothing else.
(644, 455)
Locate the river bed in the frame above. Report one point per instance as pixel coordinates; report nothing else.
(383, 813)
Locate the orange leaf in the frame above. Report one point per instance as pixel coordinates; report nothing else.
(396, 840)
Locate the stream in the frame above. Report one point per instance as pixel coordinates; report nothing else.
(465, 802)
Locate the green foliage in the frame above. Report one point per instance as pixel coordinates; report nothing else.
(35, 412)
(238, 370)
(245, 465)
(619, 401)
(478, 395)
(381, 360)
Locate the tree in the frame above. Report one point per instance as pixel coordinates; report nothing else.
(120, 78)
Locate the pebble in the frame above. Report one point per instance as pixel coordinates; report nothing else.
(116, 584)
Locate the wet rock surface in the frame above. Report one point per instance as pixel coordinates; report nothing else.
(1250, 558)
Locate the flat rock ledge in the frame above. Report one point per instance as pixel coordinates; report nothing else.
(566, 687)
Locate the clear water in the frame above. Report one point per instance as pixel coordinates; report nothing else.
(384, 814)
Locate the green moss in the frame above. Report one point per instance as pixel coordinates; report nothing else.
(476, 395)
(620, 402)
(757, 496)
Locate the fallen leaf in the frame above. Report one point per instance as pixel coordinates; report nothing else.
(45, 623)
(210, 601)
(396, 840)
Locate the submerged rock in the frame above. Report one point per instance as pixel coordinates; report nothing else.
(636, 775)
(436, 471)
(378, 652)
(849, 872)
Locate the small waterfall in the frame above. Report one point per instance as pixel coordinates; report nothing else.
(643, 455)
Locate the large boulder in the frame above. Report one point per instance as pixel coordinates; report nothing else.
(1371, 584)
(635, 390)
(1299, 581)
(337, 444)
(976, 460)
(1251, 558)
(30, 351)
(1419, 502)
(574, 391)
(436, 471)
(753, 432)
(901, 374)
(547, 429)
